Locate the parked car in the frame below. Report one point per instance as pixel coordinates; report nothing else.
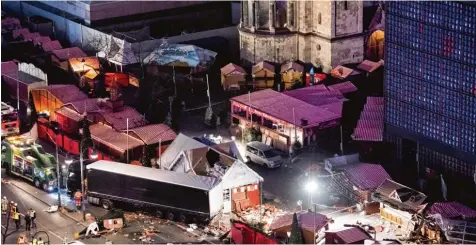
(263, 154)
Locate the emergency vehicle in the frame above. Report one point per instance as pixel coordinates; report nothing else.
(10, 122)
(22, 157)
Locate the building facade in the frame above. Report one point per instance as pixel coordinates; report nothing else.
(325, 33)
(430, 85)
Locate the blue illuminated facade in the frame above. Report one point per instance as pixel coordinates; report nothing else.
(430, 83)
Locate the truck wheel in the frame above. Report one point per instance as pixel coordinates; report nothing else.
(106, 204)
(183, 218)
(170, 216)
(159, 214)
(37, 183)
(45, 186)
(248, 160)
(8, 171)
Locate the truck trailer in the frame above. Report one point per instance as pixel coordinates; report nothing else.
(181, 196)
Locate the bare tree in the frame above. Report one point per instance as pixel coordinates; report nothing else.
(5, 233)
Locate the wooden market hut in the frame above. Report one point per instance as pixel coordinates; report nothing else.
(232, 76)
(310, 224)
(291, 71)
(263, 75)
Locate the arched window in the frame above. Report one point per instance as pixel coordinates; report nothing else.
(319, 18)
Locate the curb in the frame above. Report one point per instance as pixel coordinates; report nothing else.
(39, 199)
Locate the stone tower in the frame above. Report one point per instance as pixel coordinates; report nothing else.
(325, 33)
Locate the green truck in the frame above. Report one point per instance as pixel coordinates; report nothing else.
(22, 157)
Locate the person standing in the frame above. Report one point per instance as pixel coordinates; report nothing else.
(16, 216)
(77, 198)
(27, 223)
(32, 215)
(4, 205)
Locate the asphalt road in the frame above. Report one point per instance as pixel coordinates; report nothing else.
(57, 227)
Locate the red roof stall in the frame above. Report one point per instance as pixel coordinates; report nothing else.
(242, 233)
(154, 135)
(50, 98)
(284, 117)
(121, 78)
(115, 144)
(22, 78)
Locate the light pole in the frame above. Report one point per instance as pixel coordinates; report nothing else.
(93, 156)
(310, 188)
(57, 130)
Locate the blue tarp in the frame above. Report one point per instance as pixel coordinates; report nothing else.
(180, 55)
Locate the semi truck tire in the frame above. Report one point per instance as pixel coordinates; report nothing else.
(159, 214)
(106, 204)
(37, 183)
(170, 216)
(182, 218)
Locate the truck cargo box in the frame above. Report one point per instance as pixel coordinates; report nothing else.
(178, 195)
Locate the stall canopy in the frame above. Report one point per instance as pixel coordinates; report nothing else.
(153, 133)
(452, 210)
(400, 196)
(181, 55)
(232, 75)
(51, 45)
(84, 64)
(240, 175)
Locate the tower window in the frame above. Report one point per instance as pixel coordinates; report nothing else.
(319, 18)
(291, 14)
(346, 5)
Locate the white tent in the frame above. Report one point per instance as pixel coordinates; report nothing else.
(239, 175)
(181, 143)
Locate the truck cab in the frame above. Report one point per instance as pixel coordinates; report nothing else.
(25, 159)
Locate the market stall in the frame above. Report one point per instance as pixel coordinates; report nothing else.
(263, 75)
(291, 72)
(232, 76)
(241, 188)
(310, 223)
(61, 57)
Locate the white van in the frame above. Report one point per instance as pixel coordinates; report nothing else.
(263, 154)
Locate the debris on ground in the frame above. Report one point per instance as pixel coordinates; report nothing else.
(52, 209)
(260, 214)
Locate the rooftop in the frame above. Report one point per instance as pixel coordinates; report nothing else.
(263, 65)
(116, 140)
(154, 133)
(118, 119)
(65, 92)
(232, 69)
(281, 106)
(67, 53)
(366, 176)
(51, 45)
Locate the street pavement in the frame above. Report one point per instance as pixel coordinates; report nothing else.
(58, 227)
(22, 192)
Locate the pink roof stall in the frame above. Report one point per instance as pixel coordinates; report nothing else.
(452, 210)
(343, 88)
(347, 235)
(370, 66)
(232, 76)
(343, 72)
(279, 106)
(309, 222)
(40, 39)
(60, 57)
(51, 45)
(371, 123)
(20, 32)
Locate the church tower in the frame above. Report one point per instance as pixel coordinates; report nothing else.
(325, 33)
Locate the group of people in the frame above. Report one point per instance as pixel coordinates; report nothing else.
(29, 216)
(23, 240)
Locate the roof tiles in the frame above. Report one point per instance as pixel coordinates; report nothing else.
(366, 176)
(118, 119)
(452, 210)
(65, 92)
(51, 45)
(371, 123)
(351, 235)
(344, 88)
(232, 69)
(154, 133)
(117, 140)
(281, 106)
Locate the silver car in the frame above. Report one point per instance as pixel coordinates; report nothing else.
(263, 154)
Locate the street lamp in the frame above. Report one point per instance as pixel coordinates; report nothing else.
(310, 188)
(93, 156)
